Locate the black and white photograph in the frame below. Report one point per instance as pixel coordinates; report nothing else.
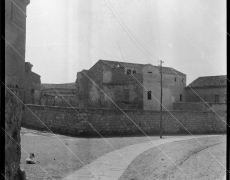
(115, 90)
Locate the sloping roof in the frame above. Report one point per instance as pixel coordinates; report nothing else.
(113, 64)
(165, 70)
(35, 74)
(208, 81)
(58, 86)
(169, 70)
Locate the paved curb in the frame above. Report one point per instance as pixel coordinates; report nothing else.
(111, 165)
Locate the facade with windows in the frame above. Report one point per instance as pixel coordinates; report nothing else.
(111, 84)
(173, 85)
(207, 89)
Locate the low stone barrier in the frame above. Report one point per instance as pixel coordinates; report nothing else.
(81, 122)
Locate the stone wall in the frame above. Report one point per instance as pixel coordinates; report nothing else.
(15, 27)
(114, 122)
(200, 106)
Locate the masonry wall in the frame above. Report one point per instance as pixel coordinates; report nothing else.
(112, 82)
(15, 36)
(131, 83)
(200, 106)
(114, 122)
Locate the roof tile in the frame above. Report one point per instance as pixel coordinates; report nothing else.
(208, 81)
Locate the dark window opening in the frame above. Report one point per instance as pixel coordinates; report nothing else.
(180, 97)
(150, 72)
(149, 95)
(134, 72)
(175, 79)
(182, 79)
(128, 71)
(216, 98)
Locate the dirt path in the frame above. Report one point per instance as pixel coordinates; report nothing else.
(190, 156)
(55, 158)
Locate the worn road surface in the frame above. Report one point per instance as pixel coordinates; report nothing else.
(60, 159)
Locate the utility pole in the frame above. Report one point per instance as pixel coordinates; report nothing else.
(161, 98)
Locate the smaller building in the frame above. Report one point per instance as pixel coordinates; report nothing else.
(209, 89)
(32, 85)
(58, 94)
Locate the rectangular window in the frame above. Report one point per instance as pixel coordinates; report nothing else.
(128, 71)
(216, 98)
(180, 97)
(149, 95)
(150, 72)
(175, 79)
(134, 71)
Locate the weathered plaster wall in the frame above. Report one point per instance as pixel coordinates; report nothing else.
(114, 122)
(58, 97)
(151, 82)
(171, 89)
(82, 90)
(177, 85)
(112, 81)
(132, 85)
(66, 101)
(207, 94)
(32, 85)
(107, 76)
(15, 27)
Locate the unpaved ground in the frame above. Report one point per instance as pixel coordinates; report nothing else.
(189, 156)
(56, 157)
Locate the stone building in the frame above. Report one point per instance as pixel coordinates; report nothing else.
(128, 86)
(32, 85)
(205, 94)
(58, 94)
(209, 88)
(15, 33)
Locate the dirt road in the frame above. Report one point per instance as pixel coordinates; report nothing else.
(195, 162)
(59, 159)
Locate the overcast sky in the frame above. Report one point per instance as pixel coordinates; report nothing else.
(67, 36)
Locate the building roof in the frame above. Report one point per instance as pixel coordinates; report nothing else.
(165, 70)
(58, 86)
(208, 81)
(35, 74)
